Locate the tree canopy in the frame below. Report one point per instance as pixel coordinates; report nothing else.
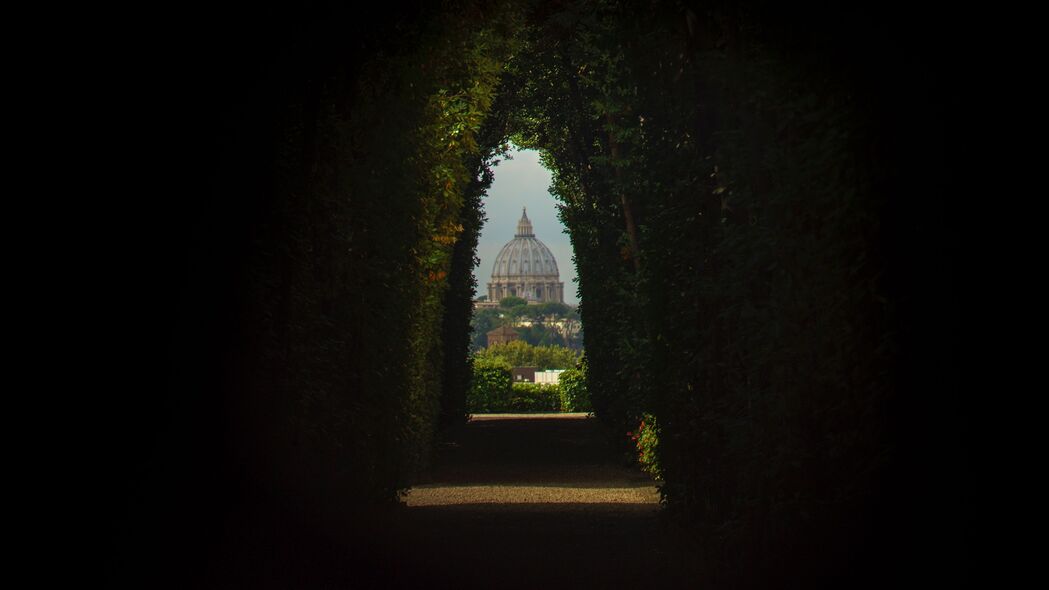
(512, 302)
(523, 354)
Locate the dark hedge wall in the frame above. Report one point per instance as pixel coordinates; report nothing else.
(763, 241)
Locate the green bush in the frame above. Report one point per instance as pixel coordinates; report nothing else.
(572, 387)
(646, 439)
(491, 390)
(490, 386)
(522, 354)
(510, 302)
(535, 397)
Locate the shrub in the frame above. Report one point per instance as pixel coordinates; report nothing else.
(510, 302)
(490, 386)
(646, 438)
(572, 387)
(535, 397)
(492, 390)
(522, 354)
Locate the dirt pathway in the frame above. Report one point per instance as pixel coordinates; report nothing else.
(514, 501)
(524, 501)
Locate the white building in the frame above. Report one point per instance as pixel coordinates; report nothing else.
(549, 376)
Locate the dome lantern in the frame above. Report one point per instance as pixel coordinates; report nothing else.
(524, 226)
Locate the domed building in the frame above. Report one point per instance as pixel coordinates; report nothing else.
(526, 268)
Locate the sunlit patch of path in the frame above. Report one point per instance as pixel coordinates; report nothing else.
(533, 459)
(445, 495)
(523, 500)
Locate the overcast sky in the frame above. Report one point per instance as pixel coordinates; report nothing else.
(523, 182)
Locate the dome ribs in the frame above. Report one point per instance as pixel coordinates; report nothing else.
(526, 268)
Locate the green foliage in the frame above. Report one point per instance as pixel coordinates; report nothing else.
(512, 302)
(646, 439)
(543, 330)
(535, 397)
(357, 288)
(574, 395)
(723, 212)
(491, 397)
(482, 322)
(547, 309)
(725, 206)
(490, 388)
(523, 354)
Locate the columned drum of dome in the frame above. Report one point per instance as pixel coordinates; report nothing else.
(526, 268)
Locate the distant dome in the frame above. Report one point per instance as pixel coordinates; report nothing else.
(526, 268)
(524, 255)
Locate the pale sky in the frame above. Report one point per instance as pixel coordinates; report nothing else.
(523, 182)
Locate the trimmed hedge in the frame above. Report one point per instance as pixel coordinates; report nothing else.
(758, 238)
(573, 392)
(535, 397)
(492, 391)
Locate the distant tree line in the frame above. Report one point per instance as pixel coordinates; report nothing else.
(512, 310)
(522, 354)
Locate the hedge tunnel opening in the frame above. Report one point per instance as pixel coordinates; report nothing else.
(756, 199)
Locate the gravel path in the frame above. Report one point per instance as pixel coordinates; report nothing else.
(531, 500)
(513, 501)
